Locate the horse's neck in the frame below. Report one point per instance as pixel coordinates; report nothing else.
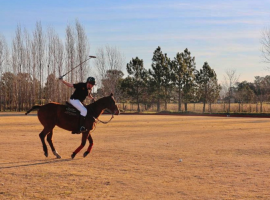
(95, 109)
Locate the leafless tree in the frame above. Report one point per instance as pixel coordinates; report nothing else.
(55, 65)
(40, 42)
(230, 79)
(17, 62)
(265, 41)
(100, 65)
(59, 57)
(3, 62)
(70, 50)
(83, 49)
(109, 60)
(28, 65)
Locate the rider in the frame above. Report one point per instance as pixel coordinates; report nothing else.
(82, 90)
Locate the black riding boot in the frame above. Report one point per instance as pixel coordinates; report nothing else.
(81, 126)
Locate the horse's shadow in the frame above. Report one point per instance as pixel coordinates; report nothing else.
(32, 163)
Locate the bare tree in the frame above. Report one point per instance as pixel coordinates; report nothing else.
(55, 66)
(109, 59)
(59, 61)
(17, 62)
(83, 49)
(100, 64)
(28, 65)
(3, 61)
(40, 42)
(230, 79)
(265, 41)
(70, 54)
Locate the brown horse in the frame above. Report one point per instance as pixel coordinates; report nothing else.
(55, 114)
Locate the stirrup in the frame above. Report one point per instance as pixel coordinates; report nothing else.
(82, 129)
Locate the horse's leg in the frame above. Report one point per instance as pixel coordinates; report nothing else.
(90, 145)
(84, 137)
(42, 136)
(49, 139)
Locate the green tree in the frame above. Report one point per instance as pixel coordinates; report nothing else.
(135, 84)
(167, 80)
(160, 77)
(178, 69)
(156, 74)
(262, 85)
(205, 79)
(245, 93)
(184, 77)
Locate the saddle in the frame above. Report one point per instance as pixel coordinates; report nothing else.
(71, 110)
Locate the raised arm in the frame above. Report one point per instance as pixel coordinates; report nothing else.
(66, 83)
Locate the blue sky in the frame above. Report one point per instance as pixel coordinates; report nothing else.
(226, 34)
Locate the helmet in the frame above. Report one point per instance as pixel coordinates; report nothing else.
(91, 80)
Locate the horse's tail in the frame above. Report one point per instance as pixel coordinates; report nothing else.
(33, 108)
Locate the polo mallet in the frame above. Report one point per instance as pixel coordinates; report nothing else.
(77, 66)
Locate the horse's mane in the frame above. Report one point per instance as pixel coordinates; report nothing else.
(93, 106)
(96, 102)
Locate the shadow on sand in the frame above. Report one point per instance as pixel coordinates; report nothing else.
(33, 163)
(7, 114)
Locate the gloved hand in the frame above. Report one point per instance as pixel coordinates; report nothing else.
(60, 78)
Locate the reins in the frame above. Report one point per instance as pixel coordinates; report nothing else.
(98, 120)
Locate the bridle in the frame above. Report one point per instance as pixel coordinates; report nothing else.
(100, 121)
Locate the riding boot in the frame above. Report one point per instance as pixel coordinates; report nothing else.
(81, 126)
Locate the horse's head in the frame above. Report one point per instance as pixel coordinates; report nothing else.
(110, 104)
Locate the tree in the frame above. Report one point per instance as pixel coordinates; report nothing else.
(109, 59)
(178, 69)
(39, 45)
(111, 83)
(262, 85)
(230, 79)
(206, 79)
(265, 41)
(184, 67)
(83, 49)
(245, 93)
(7, 88)
(135, 84)
(55, 65)
(213, 89)
(167, 80)
(51, 82)
(17, 63)
(156, 74)
(3, 61)
(70, 53)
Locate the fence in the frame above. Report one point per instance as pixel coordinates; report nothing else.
(198, 107)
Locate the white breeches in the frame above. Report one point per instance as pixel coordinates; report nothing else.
(77, 104)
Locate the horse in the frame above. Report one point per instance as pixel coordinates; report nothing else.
(55, 114)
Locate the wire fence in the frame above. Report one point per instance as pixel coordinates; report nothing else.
(198, 107)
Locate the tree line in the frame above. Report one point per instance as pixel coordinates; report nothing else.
(170, 80)
(31, 65)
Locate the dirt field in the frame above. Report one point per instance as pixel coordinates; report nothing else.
(138, 157)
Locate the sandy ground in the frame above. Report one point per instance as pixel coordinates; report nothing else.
(138, 157)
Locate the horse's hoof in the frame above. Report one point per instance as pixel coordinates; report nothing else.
(73, 155)
(46, 154)
(85, 154)
(56, 154)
